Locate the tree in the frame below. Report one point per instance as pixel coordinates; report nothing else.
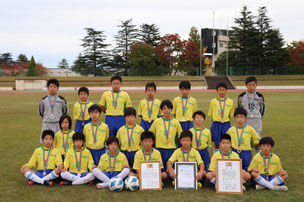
(126, 36)
(194, 36)
(6, 58)
(80, 65)
(32, 71)
(296, 53)
(22, 58)
(63, 64)
(95, 53)
(149, 34)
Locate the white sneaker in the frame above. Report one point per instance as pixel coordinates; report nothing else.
(101, 185)
(259, 187)
(244, 188)
(280, 188)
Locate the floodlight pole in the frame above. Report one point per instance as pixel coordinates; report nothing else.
(213, 35)
(200, 67)
(227, 49)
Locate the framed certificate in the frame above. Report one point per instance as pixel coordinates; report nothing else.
(229, 178)
(185, 175)
(150, 175)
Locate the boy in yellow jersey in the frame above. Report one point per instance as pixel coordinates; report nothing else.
(149, 108)
(112, 164)
(201, 139)
(113, 103)
(64, 138)
(186, 154)
(224, 153)
(166, 131)
(266, 169)
(96, 133)
(44, 159)
(147, 153)
(129, 135)
(80, 110)
(78, 163)
(221, 111)
(184, 106)
(243, 137)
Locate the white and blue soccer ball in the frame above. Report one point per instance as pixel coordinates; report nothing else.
(116, 184)
(132, 183)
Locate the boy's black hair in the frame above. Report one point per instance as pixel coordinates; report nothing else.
(111, 140)
(199, 113)
(251, 78)
(116, 77)
(129, 111)
(185, 133)
(223, 85)
(151, 85)
(83, 89)
(225, 137)
(94, 107)
(78, 136)
(266, 140)
(65, 116)
(52, 81)
(47, 132)
(185, 84)
(241, 111)
(147, 135)
(167, 103)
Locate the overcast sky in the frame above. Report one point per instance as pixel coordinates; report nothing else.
(52, 29)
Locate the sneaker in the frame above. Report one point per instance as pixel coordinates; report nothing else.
(65, 183)
(259, 187)
(244, 188)
(199, 185)
(48, 183)
(101, 185)
(31, 183)
(91, 182)
(280, 188)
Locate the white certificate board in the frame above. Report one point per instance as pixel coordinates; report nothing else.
(150, 175)
(185, 175)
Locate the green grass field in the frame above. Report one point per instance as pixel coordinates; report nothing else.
(20, 127)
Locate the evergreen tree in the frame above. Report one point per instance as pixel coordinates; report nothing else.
(22, 58)
(149, 34)
(6, 58)
(32, 71)
(80, 65)
(63, 64)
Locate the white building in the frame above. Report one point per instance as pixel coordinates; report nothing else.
(61, 73)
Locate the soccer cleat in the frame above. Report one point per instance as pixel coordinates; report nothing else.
(280, 188)
(259, 187)
(31, 183)
(91, 182)
(65, 183)
(244, 188)
(102, 185)
(48, 183)
(199, 185)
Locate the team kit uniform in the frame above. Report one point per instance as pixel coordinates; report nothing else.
(81, 115)
(115, 103)
(149, 110)
(63, 141)
(141, 155)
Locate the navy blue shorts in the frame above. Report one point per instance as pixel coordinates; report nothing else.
(186, 125)
(114, 123)
(109, 175)
(80, 124)
(39, 173)
(145, 124)
(205, 157)
(165, 154)
(217, 129)
(96, 154)
(81, 175)
(246, 156)
(130, 156)
(63, 157)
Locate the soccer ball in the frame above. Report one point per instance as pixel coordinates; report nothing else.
(132, 183)
(116, 184)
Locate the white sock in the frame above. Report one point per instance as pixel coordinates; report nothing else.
(213, 180)
(124, 173)
(32, 176)
(215, 150)
(68, 176)
(264, 183)
(52, 175)
(277, 180)
(100, 175)
(244, 181)
(89, 177)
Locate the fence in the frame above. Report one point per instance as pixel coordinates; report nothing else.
(239, 71)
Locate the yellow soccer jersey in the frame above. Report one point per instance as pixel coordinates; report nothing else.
(215, 110)
(123, 101)
(204, 141)
(120, 162)
(249, 137)
(144, 112)
(218, 155)
(191, 156)
(101, 136)
(158, 129)
(71, 163)
(77, 114)
(140, 156)
(37, 159)
(63, 141)
(258, 162)
(122, 136)
(190, 108)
